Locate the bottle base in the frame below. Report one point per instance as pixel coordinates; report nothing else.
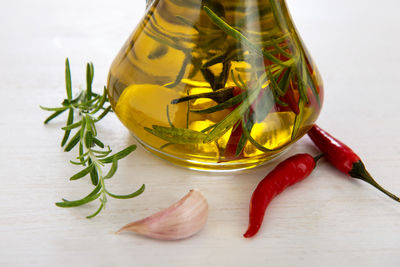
(212, 166)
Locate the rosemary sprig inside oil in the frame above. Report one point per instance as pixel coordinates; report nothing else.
(281, 66)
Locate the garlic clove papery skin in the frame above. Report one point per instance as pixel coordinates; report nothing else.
(183, 219)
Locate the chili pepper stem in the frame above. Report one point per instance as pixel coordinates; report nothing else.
(317, 158)
(360, 172)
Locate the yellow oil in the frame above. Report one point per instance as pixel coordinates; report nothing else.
(165, 58)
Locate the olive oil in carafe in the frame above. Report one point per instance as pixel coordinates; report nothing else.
(194, 94)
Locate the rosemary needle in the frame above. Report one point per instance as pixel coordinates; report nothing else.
(93, 155)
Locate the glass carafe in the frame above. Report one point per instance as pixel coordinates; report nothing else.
(216, 84)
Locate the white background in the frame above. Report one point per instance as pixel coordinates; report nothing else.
(327, 220)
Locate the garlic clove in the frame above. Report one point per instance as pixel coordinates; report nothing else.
(183, 219)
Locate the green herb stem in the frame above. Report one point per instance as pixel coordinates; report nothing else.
(93, 160)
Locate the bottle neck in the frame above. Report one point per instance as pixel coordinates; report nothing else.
(148, 3)
(281, 14)
(231, 11)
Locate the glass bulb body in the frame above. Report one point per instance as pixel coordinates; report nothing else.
(216, 84)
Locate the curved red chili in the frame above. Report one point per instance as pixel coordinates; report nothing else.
(237, 132)
(233, 142)
(343, 158)
(285, 174)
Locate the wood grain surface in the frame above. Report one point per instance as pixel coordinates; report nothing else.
(326, 220)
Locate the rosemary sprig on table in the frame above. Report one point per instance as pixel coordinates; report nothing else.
(93, 155)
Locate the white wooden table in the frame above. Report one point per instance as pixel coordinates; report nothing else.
(327, 220)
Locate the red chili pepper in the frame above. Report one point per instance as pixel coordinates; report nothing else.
(285, 174)
(291, 99)
(231, 146)
(343, 158)
(233, 142)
